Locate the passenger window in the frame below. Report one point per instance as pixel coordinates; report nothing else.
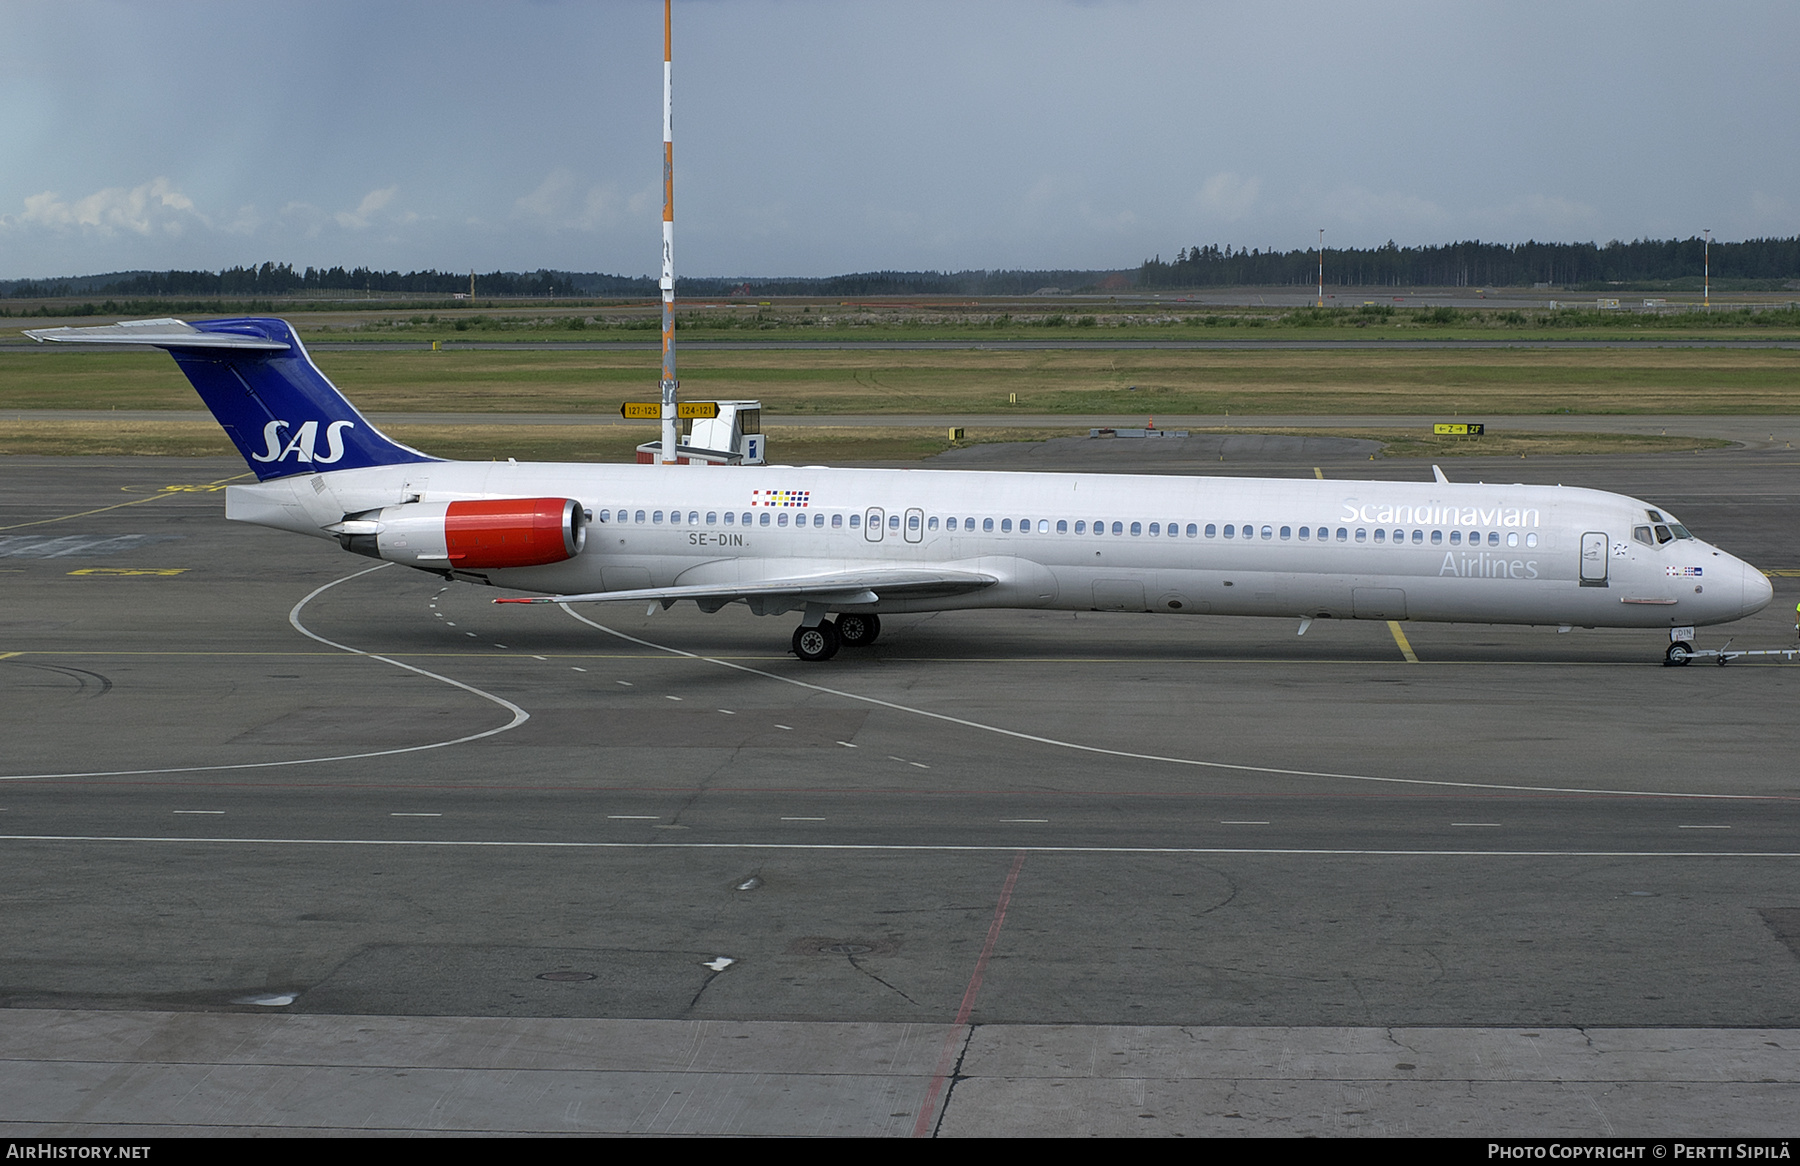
(1437, 538)
(818, 520)
(1118, 528)
(837, 520)
(781, 519)
(912, 522)
(1342, 534)
(1211, 530)
(1006, 526)
(1493, 538)
(1363, 535)
(1156, 529)
(712, 518)
(1303, 535)
(746, 518)
(1287, 532)
(1192, 530)
(1062, 526)
(1456, 538)
(1137, 528)
(932, 525)
(1531, 539)
(1418, 537)
(657, 517)
(1081, 526)
(1512, 538)
(730, 518)
(987, 525)
(855, 522)
(893, 522)
(1380, 536)
(1268, 532)
(693, 518)
(1044, 525)
(1230, 531)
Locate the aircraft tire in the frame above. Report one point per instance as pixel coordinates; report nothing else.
(857, 630)
(1678, 654)
(816, 643)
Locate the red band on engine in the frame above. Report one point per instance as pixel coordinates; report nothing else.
(512, 532)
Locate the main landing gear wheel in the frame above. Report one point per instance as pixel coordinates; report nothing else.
(858, 631)
(816, 643)
(1679, 653)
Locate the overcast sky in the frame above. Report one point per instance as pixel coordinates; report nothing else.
(819, 138)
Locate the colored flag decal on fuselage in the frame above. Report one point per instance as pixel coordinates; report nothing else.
(1683, 572)
(781, 497)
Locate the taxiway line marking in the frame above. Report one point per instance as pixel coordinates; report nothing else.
(9, 655)
(1196, 762)
(1318, 473)
(898, 847)
(947, 1056)
(1400, 639)
(519, 715)
(157, 497)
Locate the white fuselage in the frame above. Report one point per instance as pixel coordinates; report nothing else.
(1228, 546)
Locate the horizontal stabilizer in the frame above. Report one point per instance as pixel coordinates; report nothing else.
(844, 587)
(157, 334)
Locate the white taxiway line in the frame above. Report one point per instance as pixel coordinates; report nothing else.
(896, 848)
(1130, 756)
(519, 715)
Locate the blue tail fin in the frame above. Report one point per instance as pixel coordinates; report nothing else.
(273, 402)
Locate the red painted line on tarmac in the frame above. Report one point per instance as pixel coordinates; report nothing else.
(922, 1128)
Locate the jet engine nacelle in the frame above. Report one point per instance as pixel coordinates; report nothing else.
(484, 533)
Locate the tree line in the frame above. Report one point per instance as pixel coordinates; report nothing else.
(281, 279)
(1478, 264)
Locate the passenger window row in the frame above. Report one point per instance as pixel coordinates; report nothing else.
(1230, 530)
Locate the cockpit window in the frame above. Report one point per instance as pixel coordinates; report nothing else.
(1655, 516)
(1642, 534)
(1663, 533)
(1680, 530)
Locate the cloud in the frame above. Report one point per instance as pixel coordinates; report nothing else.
(1228, 196)
(153, 208)
(560, 203)
(373, 201)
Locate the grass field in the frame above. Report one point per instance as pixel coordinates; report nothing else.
(795, 445)
(1124, 383)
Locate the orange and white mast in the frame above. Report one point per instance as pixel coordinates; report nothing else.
(669, 383)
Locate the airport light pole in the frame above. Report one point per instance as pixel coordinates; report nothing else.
(669, 383)
(1321, 267)
(1706, 295)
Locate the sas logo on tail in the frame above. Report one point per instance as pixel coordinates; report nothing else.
(303, 441)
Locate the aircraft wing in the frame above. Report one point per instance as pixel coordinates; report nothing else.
(843, 587)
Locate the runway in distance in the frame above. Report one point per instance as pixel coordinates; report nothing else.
(845, 546)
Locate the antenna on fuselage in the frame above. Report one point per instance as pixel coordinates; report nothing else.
(669, 383)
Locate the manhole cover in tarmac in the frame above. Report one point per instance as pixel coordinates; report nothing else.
(846, 949)
(565, 977)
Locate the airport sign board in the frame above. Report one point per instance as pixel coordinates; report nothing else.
(685, 410)
(1442, 428)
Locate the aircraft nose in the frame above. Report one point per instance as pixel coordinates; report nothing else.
(1758, 591)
